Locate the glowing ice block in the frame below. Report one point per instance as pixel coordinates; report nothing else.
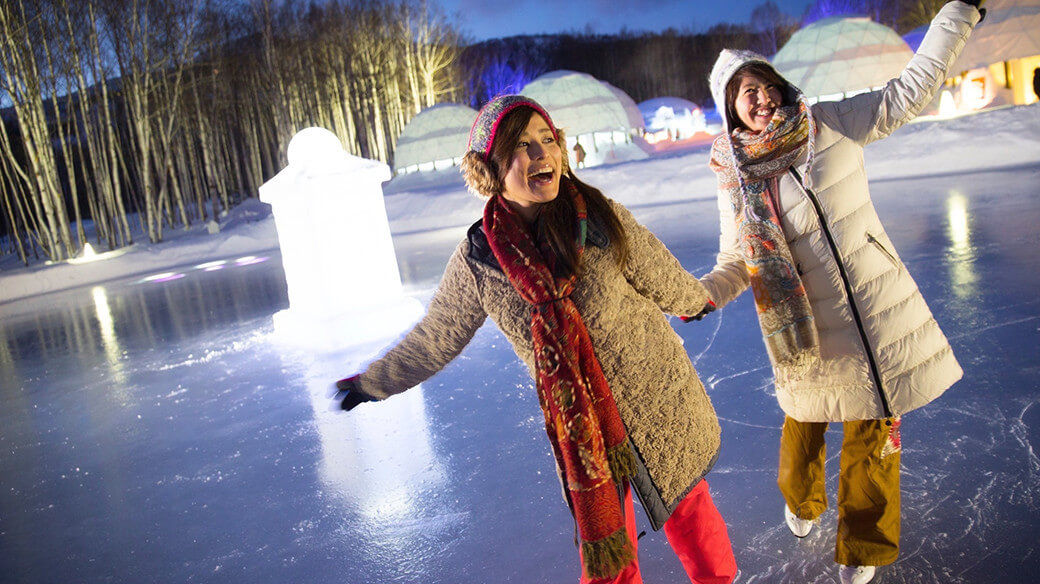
(340, 268)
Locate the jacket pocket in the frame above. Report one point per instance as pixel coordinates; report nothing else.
(881, 247)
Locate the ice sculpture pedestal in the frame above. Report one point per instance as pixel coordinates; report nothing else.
(340, 267)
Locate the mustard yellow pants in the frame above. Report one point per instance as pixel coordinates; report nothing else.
(868, 485)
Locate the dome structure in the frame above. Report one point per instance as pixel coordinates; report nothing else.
(603, 119)
(840, 56)
(676, 116)
(632, 113)
(913, 38)
(1010, 31)
(579, 103)
(1001, 57)
(434, 139)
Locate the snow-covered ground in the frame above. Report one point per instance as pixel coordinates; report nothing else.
(165, 431)
(1003, 138)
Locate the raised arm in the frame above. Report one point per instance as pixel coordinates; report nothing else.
(453, 317)
(656, 274)
(871, 116)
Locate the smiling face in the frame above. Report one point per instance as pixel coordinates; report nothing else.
(532, 176)
(756, 101)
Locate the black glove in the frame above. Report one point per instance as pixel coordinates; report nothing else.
(349, 394)
(708, 308)
(975, 3)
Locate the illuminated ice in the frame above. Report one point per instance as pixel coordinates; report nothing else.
(159, 427)
(340, 267)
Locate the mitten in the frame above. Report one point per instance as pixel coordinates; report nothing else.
(975, 3)
(350, 394)
(709, 307)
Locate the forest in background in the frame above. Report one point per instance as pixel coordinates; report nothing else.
(167, 112)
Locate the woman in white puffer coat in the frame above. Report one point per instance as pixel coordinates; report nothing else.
(849, 336)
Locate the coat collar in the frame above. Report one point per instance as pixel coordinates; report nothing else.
(480, 249)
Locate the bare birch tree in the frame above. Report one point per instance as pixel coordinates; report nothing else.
(23, 81)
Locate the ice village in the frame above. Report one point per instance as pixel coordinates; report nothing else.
(240, 340)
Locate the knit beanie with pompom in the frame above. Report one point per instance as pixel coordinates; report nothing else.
(476, 164)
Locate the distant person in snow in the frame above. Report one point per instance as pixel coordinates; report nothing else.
(579, 155)
(580, 289)
(849, 336)
(1036, 82)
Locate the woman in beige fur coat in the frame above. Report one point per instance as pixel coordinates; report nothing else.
(580, 290)
(848, 333)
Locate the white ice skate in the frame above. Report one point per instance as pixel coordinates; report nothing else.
(855, 574)
(799, 527)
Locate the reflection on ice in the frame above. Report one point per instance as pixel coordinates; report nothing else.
(376, 455)
(962, 254)
(168, 418)
(113, 352)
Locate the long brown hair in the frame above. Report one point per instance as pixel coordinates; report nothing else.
(763, 72)
(558, 219)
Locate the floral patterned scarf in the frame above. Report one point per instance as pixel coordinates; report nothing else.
(749, 167)
(581, 418)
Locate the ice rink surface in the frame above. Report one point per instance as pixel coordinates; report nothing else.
(165, 431)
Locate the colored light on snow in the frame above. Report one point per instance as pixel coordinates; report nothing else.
(210, 266)
(163, 277)
(249, 260)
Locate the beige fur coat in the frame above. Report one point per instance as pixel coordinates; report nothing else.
(670, 420)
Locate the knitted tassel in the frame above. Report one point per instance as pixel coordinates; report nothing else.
(795, 350)
(622, 461)
(799, 366)
(605, 558)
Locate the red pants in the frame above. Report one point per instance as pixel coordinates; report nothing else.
(696, 533)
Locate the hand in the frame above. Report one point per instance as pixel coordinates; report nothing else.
(982, 11)
(349, 394)
(708, 308)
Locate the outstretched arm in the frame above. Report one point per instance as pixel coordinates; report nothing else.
(871, 116)
(655, 273)
(453, 317)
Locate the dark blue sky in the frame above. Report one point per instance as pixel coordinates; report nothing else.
(484, 19)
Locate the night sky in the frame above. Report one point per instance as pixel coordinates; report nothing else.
(482, 19)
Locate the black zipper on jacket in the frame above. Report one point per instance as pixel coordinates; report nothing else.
(874, 371)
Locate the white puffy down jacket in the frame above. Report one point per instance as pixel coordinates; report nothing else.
(882, 353)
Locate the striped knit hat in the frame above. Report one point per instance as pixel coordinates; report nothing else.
(482, 134)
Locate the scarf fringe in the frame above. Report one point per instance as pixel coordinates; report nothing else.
(606, 557)
(799, 365)
(622, 461)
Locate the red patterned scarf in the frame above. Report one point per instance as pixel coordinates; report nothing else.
(581, 417)
(749, 167)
